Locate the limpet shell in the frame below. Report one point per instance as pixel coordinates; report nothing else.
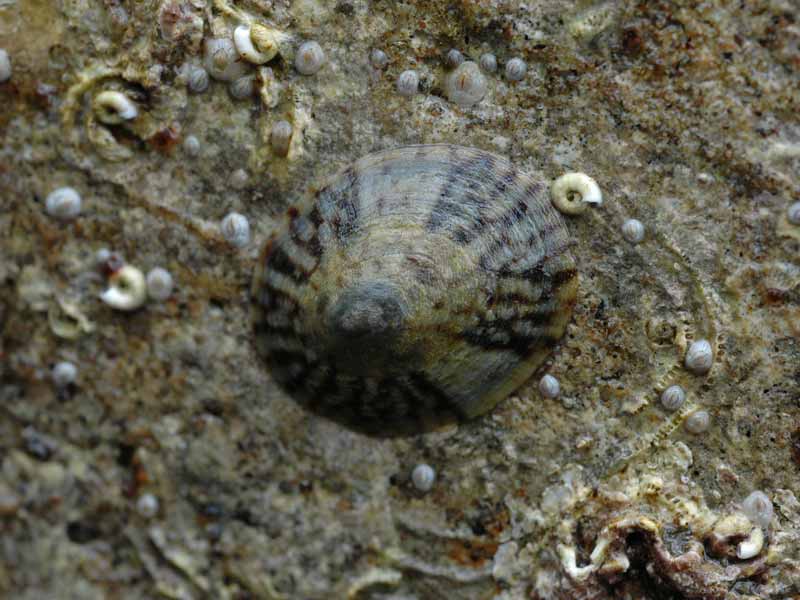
(418, 284)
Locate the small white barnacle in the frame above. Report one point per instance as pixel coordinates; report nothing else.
(159, 284)
(236, 229)
(466, 85)
(64, 373)
(549, 387)
(699, 357)
(407, 83)
(244, 38)
(423, 477)
(378, 58)
(243, 88)
(310, 58)
(239, 179)
(197, 79)
(758, 508)
(698, 422)
(516, 69)
(280, 137)
(673, 398)
(113, 107)
(63, 203)
(488, 62)
(191, 145)
(147, 506)
(633, 231)
(127, 289)
(793, 213)
(453, 58)
(221, 60)
(572, 193)
(5, 66)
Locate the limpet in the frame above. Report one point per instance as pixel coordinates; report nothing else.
(516, 69)
(221, 60)
(407, 83)
(310, 58)
(466, 85)
(418, 284)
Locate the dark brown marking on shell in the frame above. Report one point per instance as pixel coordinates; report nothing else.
(449, 206)
(281, 262)
(481, 258)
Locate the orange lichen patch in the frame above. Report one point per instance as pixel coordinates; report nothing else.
(166, 139)
(138, 479)
(472, 553)
(632, 42)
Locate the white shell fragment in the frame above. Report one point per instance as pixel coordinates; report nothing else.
(159, 284)
(407, 83)
(699, 357)
(127, 289)
(113, 107)
(752, 545)
(309, 59)
(488, 62)
(423, 477)
(572, 193)
(5, 66)
(221, 60)
(64, 373)
(673, 398)
(633, 231)
(516, 69)
(247, 50)
(235, 229)
(466, 85)
(698, 422)
(758, 508)
(793, 214)
(63, 203)
(549, 386)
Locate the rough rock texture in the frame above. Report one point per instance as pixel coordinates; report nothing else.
(686, 113)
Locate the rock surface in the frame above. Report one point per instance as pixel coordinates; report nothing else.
(685, 113)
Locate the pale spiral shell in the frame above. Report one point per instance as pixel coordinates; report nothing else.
(113, 107)
(243, 41)
(572, 193)
(419, 283)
